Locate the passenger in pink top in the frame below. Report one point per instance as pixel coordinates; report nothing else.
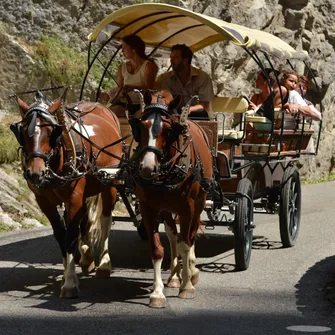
(137, 72)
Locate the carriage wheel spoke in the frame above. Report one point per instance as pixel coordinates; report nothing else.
(293, 211)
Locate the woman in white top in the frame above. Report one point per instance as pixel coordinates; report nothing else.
(137, 72)
(295, 102)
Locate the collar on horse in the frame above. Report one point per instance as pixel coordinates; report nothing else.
(175, 169)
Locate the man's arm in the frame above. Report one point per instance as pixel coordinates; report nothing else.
(201, 105)
(206, 94)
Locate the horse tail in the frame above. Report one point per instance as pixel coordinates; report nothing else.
(94, 211)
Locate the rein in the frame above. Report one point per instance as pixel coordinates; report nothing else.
(70, 170)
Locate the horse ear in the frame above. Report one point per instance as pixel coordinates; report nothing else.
(175, 102)
(147, 97)
(55, 106)
(23, 107)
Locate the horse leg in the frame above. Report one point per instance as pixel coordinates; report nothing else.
(56, 221)
(86, 262)
(108, 202)
(184, 247)
(70, 288)
(75, 211)
(150, 219)
(198, 208)
(171, 232)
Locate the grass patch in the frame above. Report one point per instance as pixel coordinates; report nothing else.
(63, 65)
(324, 178)
(4, 27)
(66, 66)
(8, 143)
(5, 228)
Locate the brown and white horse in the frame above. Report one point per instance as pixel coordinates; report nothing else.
(172, 170)
(60, 152)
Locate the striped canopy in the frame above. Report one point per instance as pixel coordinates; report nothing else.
(162, 26)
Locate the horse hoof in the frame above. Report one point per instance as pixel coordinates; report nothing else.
(187, 294)
(157, 302)
(195, 279)
(87, 269)
(69, 293)
(173, 283)
(102, 273)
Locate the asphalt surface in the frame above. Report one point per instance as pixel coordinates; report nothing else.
(284, 291)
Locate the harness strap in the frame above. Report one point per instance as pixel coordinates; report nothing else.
(98, 147)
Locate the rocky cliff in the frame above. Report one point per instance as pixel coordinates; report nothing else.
(304, 24)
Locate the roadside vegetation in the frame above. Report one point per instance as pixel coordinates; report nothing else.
(324, 178)
(66, 66)
(8, 144)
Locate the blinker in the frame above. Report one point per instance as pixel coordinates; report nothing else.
(16, 129)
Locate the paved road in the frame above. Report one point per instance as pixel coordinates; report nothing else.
(284, 290)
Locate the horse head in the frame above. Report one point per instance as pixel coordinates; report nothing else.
(39, 134)
(155, 129)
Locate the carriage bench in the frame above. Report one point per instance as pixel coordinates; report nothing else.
(288, 141)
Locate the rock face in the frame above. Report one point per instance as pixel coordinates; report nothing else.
(304, 24)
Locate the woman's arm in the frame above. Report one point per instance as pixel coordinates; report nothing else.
(151, 70)
(306, 111)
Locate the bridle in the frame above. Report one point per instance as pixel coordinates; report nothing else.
(30, 118)
(170, 174)
(159, 110)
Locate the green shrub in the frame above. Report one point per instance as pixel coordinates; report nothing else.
(330, 176)
(66, 66)
(63, 65)
(8, 144)
(5, 228)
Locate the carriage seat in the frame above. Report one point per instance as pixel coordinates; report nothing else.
(235, 105)
(290, 138)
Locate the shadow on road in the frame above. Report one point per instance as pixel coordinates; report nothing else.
(37, 269)
(315, 291)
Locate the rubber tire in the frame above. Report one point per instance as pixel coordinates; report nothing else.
(290, 207)
(242, 237)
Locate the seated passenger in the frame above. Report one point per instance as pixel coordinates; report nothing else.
(292, 101)
(262, 84)
(302, 89)
(137, 72)
(187, 81)
(295, 103)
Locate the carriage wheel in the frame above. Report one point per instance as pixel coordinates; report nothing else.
(290, 205)
(243, 231)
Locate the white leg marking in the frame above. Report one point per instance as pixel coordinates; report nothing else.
(194, 271)
(174, 266)
(158, 283)
(184, 251)
(106, 223)
(86, 257)
(70, 287)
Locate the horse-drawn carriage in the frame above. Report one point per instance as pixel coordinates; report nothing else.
(201, 165)
(261, 168)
